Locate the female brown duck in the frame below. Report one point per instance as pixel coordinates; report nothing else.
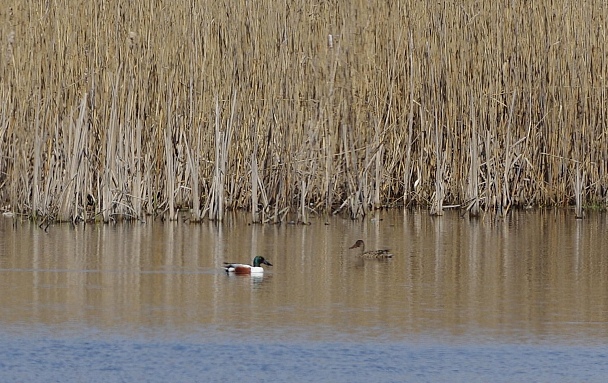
(379, 254)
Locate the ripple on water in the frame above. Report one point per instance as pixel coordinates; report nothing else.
(119, 359)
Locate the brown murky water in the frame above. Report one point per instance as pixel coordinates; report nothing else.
(455, 287)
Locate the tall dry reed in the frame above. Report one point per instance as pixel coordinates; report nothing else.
(113, 110)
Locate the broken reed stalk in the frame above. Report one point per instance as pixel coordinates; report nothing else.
(437, 206)
(107, 197)
(509, 161)
(303, 216)
(169, 159)
(137, 186)
(192, 159)
(215, 202)
(37, 163)
(378, 168)
(472, 191)
(579, 182)
(255, 213)
(407, 167)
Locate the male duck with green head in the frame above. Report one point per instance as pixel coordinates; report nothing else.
(241, 268)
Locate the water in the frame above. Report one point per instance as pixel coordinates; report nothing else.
(520, 299)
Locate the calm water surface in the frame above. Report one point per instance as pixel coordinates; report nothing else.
(519, 299)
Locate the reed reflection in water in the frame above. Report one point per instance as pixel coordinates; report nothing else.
(532, 278)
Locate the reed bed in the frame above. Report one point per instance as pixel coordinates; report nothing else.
(121, 110)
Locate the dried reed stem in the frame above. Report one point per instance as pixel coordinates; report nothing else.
(578, 191)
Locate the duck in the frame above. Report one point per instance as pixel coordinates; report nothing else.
(378, 254)
(241, 268)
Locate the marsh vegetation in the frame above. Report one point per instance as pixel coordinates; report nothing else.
(122, 109)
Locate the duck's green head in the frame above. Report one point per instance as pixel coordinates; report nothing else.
(259, 260)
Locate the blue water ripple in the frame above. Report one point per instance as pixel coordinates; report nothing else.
(121, 359)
